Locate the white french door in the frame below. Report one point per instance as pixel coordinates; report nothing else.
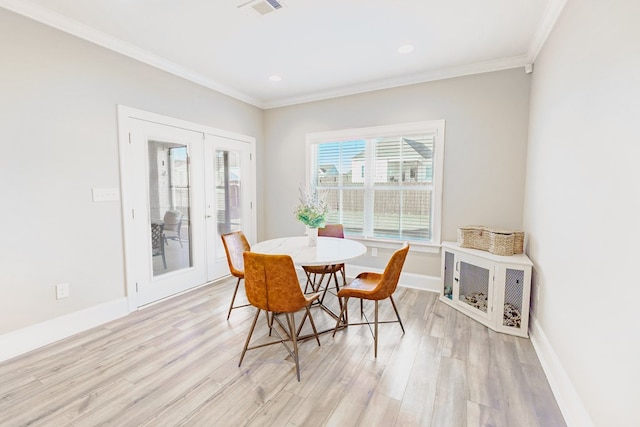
(228, 174)
(181, 190)
(169, 193)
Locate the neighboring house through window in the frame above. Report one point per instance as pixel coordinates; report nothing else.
(384, 182)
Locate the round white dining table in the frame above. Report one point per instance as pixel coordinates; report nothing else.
(329, 250)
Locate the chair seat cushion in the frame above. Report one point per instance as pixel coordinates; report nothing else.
(320, 269)
(362, 286)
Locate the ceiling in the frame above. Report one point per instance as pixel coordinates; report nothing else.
(319, 48)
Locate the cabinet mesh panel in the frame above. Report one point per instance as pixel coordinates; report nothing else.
(474, 286)
(448, 274)
(513, 288)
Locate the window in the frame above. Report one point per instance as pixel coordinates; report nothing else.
(382, 183)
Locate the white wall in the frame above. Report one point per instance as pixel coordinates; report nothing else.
(58, 135)
(58, 139)
(486, 130)
(582, 204)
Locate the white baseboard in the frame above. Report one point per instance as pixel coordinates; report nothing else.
(571, 406)
(408, 280)
(32, 337)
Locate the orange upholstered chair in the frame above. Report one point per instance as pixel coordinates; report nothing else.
(272, 285)
(235, 244)
(312, 272)
(376, 287)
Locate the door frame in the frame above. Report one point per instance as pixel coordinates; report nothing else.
(127, 165)
(212, 144)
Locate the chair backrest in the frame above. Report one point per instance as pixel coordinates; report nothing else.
(332, 230)
(235, 243)
(172, 220)
(391, 276)
(271, 283)
(156, 238)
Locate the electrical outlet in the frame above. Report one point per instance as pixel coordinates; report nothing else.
(62, 290)
(374, 251)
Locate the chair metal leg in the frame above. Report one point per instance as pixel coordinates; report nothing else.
(397, 314)
(344, 283)
(317, 285)
(376, 322)
(246, 344)
(326, 288)
(340, 317)
(375, 336)
(313, 325)
(335, 281)
(346, 310)
(270, 321)
(235, 291)
(294, 341)
(309, 281)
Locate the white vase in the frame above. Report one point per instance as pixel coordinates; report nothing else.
(312, 233)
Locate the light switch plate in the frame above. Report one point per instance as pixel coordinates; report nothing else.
(105, 194)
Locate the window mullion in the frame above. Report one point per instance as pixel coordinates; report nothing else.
(369, 177)
(341, 185)
(401, 192)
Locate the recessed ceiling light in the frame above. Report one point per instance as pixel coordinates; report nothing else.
(407, 48)
(275, 78)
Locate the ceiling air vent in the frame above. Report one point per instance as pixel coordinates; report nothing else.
(260, 7)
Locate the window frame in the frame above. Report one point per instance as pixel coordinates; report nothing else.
(435, 127)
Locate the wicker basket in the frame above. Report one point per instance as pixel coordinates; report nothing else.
(474, 237)
(500, 242)
(518, 242)
(496, 241)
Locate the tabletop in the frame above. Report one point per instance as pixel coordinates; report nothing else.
(329, 251)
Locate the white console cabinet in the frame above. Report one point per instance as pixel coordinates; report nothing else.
(492, 289)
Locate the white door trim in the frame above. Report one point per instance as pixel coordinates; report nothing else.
(125, 114)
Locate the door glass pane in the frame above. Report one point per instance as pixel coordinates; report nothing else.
(169, 205)
(228, 191)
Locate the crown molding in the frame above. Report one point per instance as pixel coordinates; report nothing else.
(427, 76)
(24, 7)
(70, 26)
(547, 24)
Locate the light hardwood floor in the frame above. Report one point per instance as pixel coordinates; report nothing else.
(176, 364)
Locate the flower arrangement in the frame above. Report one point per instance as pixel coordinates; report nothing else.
(312, 210)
